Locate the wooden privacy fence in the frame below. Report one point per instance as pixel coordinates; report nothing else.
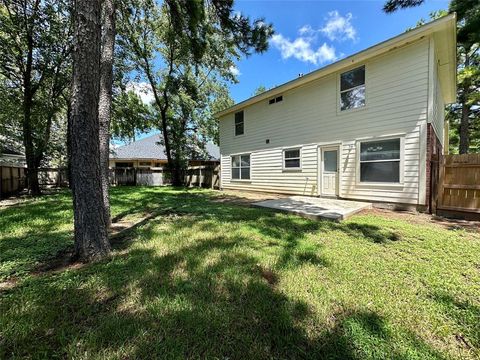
(201, 176)
(12, 180)
(56, 177)
(458, 187)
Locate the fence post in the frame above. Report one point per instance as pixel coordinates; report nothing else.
(212, 178)
(434, 177)
(441, 180)
(11, 180)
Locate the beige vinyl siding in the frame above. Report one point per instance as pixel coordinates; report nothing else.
(267, 173)
(309, 116)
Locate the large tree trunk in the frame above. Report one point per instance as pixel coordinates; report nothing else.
(464, 120)
(464, 129)
(32, 169)
(176, 172)
(91, 235)
(172, 163)
(69, 144)
(105, 99)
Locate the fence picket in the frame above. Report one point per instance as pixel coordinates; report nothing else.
(458, 183)
(11, 181)
(200, 175)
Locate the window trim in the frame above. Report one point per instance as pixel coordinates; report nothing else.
(284, 168)
(401, 160)
(240, 167)
(235, 124)
(339, 89)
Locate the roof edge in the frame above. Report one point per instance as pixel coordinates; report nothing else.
(374, 50)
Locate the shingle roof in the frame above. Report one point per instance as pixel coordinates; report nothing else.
(149, 148)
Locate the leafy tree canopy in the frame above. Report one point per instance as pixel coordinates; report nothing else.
(186, 52)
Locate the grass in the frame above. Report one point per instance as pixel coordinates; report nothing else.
(218, 280)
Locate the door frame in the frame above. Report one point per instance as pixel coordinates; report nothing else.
(321, 148)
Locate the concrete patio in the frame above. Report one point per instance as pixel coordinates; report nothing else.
(316, 208)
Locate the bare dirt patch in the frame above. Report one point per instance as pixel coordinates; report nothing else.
(426, 219)
(8, 284)
(245, 197)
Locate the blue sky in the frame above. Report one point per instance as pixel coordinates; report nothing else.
(312, 34)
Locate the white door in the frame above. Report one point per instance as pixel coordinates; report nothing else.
(329, 171)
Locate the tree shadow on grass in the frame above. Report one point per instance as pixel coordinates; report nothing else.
(43, 242)
(126, 200)
(203, 300)
(465, 315)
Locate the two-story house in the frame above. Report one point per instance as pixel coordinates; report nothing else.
(364, 127)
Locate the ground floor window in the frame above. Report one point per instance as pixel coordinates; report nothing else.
(291, 159)
(380, 161)
(241, 167)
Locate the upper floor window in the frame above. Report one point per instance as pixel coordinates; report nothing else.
(352, 89)
(291, 159)
(239, 123)
(380, 161)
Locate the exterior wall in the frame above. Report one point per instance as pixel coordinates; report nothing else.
(153, 163)
(309, 116)
(203, 162)
(136, 163)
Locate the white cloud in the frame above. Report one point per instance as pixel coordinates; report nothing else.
(143, 90)
(339, 27)
(235, 71)
(302, 48)
(307, 30)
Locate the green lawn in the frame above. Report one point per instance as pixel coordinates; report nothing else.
(216, 280)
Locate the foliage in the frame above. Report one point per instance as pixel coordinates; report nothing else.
(10, 116)
(130, 115)
(211, 279)
(468, 95)
(186, 53)
(394, 5)
(259, 90)
(468, 16)
(464, 115)
(35, 45)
